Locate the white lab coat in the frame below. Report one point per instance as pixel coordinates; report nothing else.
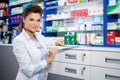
(27, 54)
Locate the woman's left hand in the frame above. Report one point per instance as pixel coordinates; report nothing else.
(51, 55)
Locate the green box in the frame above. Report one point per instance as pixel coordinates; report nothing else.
(113, 8)
(70, 38)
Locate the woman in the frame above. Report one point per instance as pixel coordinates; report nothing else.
(29, 47)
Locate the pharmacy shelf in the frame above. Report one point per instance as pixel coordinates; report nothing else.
(15, 23)
(82, 31)
(53, 9)
(19, 4)
(16, 14)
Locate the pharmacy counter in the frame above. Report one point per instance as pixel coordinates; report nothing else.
(8, 63)
(70, 63)
(85, 63)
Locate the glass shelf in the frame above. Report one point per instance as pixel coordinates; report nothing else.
(19, 4)
(69, 18)
(15, 23)
(78, 31)
(16, 14)
(51, 2)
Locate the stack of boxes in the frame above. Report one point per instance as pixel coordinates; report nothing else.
(70, 38)
(15, 19)
(113, 37)
(56, 26)
(113, 33)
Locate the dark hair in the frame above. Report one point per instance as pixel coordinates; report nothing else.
(32, 8)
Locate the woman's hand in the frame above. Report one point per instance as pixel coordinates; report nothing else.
(51, 55)
(59, 42)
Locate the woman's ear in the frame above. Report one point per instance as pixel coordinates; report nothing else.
(23, 19)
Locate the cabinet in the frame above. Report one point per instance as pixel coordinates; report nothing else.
(86, 63)
(100, 73)
(74, 56)
(106, 59)
(70, 64)
(80, 72)
(105, 65)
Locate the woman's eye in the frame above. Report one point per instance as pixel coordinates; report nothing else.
(38, 20)
(31, 19)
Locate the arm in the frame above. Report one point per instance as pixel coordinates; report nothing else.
(28, 67)
(50, 41)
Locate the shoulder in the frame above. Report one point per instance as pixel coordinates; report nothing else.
(18, 38)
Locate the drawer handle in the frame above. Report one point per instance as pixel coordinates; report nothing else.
(70, 56)
(112, 77)
(82, 70)
(70, 70)
(111, 60)
(83, 56)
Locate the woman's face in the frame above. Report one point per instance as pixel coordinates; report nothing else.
(32, 22)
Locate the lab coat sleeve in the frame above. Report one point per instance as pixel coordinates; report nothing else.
(49, 41)
(28, 67)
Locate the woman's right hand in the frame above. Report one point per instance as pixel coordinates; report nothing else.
(51, 55)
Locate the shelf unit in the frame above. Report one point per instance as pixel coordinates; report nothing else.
(15, 10)
(75, 14)
(88, 13)
(46, 23)
(4, 33)
(112, 21)
(16, 14)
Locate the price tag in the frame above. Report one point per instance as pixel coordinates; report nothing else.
(112, 2)
(97, 18)
(80, 20)
(72, 7)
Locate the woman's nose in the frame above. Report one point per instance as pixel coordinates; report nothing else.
(35, 23)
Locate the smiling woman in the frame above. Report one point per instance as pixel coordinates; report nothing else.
(30, 47)
(29, 15)
(31, 23)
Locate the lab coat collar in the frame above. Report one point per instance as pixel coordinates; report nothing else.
(37, 35)
(25, 34)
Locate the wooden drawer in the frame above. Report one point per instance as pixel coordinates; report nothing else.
(105, 59)
(74, 56)
(98, 73)
(72, 70)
